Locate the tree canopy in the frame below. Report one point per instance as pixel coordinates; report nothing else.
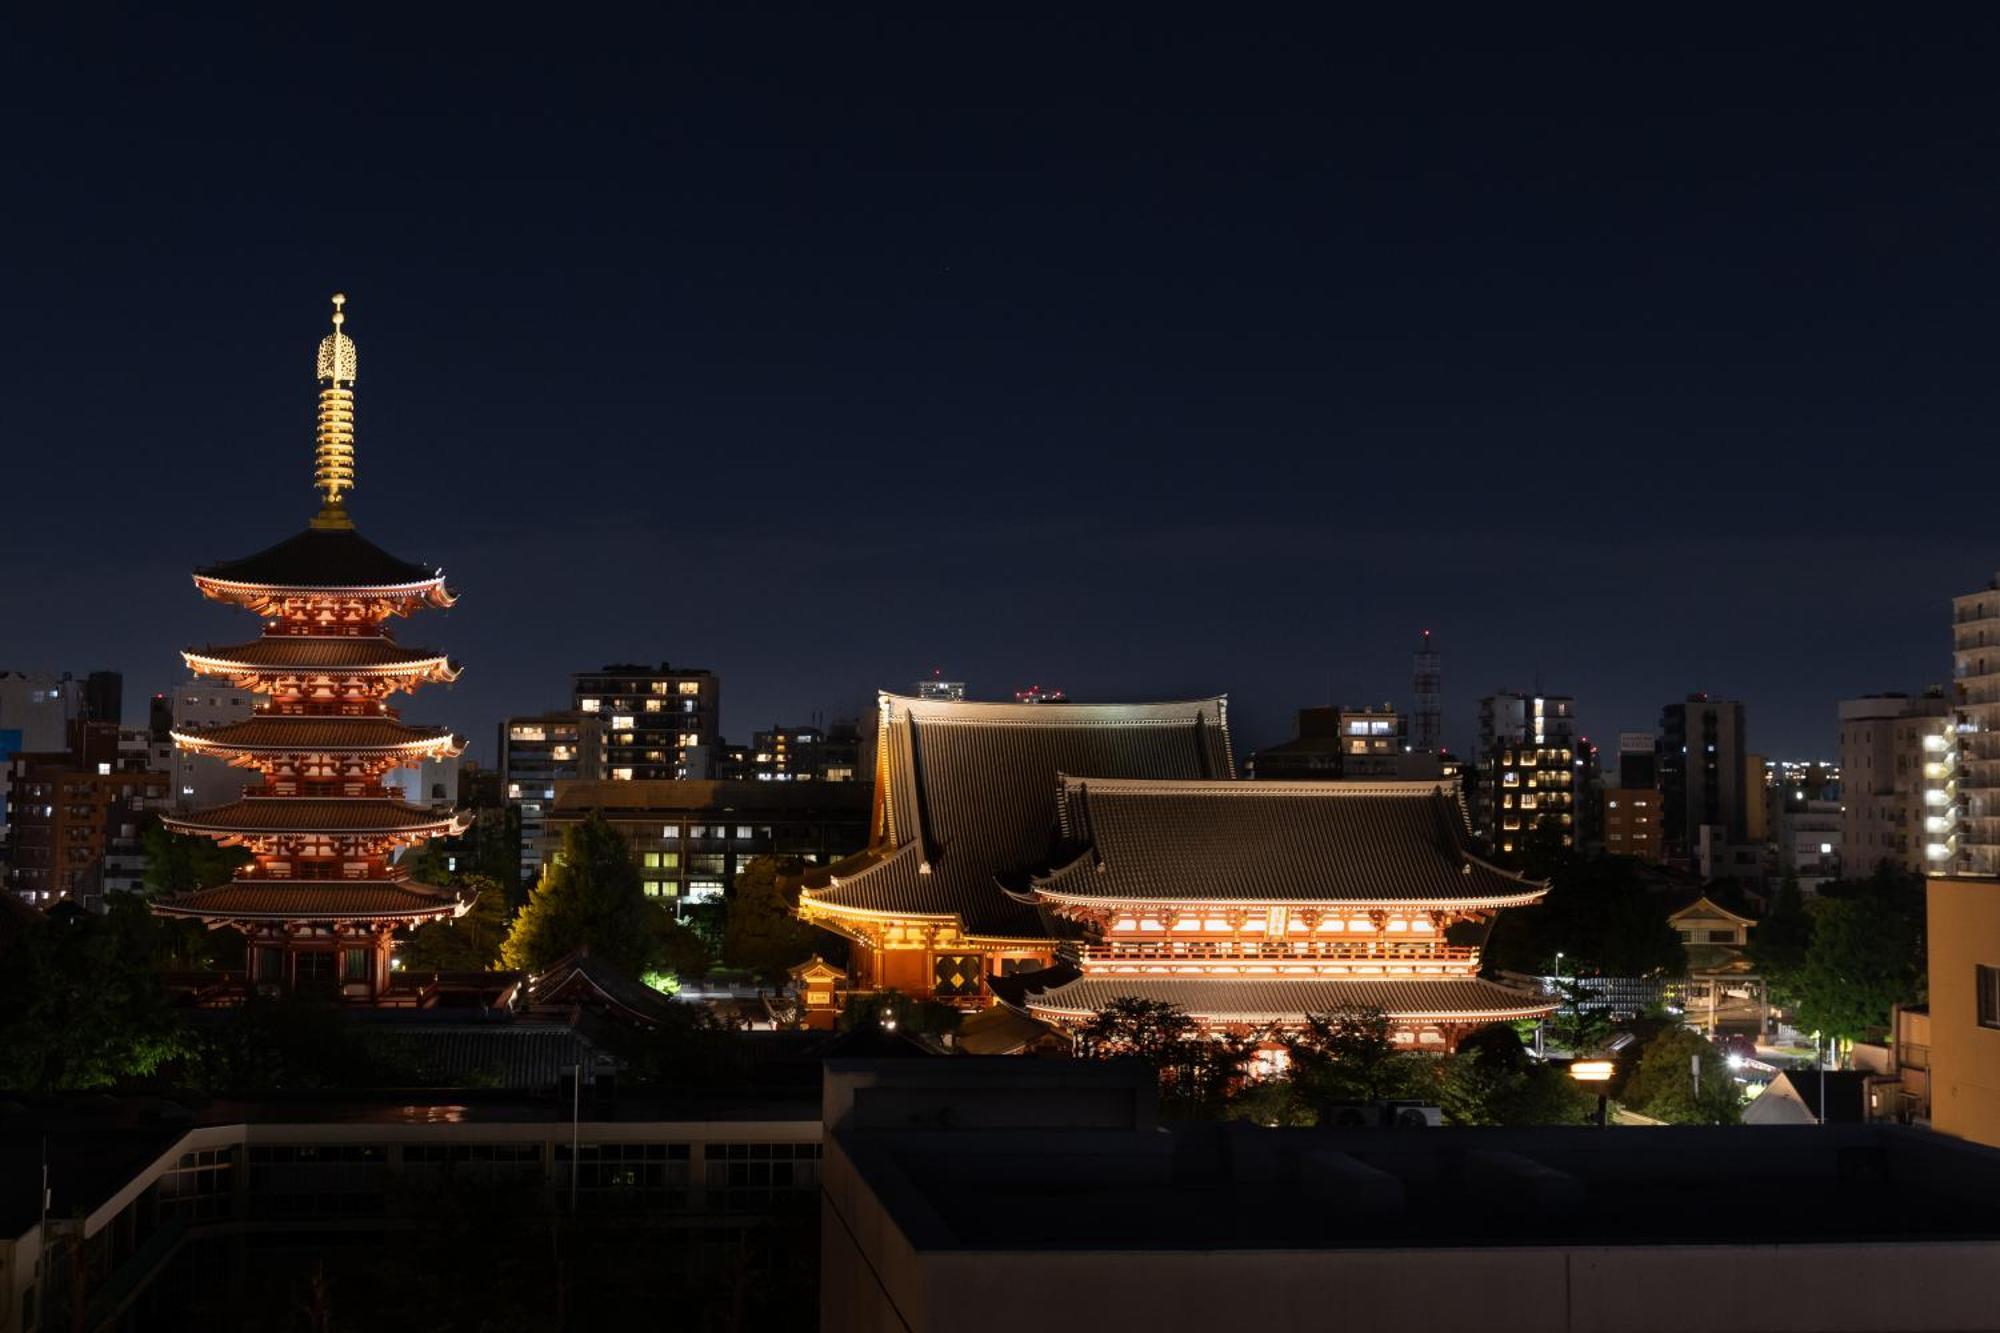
(759, 932)
(1600, 914)
(590, 894)
(80, 1001)
(1663, 1084)
(179, 863)
(471, 943)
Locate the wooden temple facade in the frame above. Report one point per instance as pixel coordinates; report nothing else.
(1000, 873)
(321, 897)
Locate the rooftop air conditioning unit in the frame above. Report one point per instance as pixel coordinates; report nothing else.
(1412, 1115)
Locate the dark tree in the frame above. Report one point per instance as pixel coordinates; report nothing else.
(1864, 958)
(1197, 1072)
(1600, 915)
(178, 863)
(471, 943)
(80, 1001)
(761, 933)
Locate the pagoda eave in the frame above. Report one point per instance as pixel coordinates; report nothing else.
(402, 598)
(334, 904)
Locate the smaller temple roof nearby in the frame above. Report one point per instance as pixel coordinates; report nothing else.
(1704, 907)
(1398, 843)
(581, 977)
(332, 815)
(321, 558)
(364, 654)
(287, 733)
(1062, 992)
(314, 900)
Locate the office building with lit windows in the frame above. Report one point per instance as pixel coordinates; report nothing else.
(535, 754)
(690, 838)
(659, 723)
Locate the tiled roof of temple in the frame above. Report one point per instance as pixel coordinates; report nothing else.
(329, 734)
(298, 900)
(289, 814)
(322, 558)
(361, 653)
(1061, 991)
(1400, 843)
(966, 793)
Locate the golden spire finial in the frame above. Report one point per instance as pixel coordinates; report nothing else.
(333, 458)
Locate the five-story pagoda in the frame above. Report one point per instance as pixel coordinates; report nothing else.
(320, 899)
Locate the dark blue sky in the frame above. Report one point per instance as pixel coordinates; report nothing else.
(1140, 358)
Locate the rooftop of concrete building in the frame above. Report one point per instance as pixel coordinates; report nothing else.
(999, 1155)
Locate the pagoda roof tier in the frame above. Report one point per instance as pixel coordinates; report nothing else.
(1391, 844)
(376, 902)
(965, 792)
(258, 815)
(325, 560)
(307, 734)
(1060, 993)
(338, 654)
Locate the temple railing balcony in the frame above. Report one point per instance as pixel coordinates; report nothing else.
(1275, 951)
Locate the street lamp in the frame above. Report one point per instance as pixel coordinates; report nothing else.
(1595, 1073)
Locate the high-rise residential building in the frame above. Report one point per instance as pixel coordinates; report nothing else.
(806, 754)
(659, 723)
(1967, 840)
(1702, 754)
(1527, 768)
(104, 697)
(535, 754)
(1638, 765)
(1632, 822)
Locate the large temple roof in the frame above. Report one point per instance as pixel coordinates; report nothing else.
(331, 557)
(313, 900)
(1060, 992)
(967, 793)
(1272, 842)
(292, 814)
(290, 734)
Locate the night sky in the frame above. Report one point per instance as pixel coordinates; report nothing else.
(1140, 359)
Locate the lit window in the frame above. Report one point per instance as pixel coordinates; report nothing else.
(621, 775)
(690, 687)
(621, 722)
(587, 705)
(671, 831)
(653, 705)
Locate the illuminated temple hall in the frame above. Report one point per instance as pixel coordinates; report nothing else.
(1059, 857)
(321, 897)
